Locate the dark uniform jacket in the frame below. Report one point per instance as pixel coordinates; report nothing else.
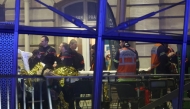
(78, 60)
(47, 56)
(164, 63)
(65, 59)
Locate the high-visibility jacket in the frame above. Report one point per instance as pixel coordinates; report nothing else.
(126, 62)
(154, 57)
(159, 59)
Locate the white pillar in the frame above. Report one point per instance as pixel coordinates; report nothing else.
(26, 22)
(86, 52)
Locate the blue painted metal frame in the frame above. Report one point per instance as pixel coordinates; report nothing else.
(100, 43)
(52, 31)
(99, 55)
(71, 19)
(15, 59)
(183, 57)
(129, 23)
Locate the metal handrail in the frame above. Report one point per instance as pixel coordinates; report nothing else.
(86, 76)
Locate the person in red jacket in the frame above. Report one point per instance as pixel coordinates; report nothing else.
(160, 59)
(127, 63)
(160, 64)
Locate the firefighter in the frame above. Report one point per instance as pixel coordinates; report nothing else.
(78, 57)
(48, 53)
(160, 64)
(160, 59)
(79, 64)
(48, 56)
(65, 57)
(127, 63)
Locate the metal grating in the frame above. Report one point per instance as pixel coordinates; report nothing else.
(6, 67)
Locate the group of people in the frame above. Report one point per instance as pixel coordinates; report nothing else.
(163, 61)
(67, 56)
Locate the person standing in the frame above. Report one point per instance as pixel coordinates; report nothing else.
(48, 53)
(48, 57)
(79, 60)
(127, 63)
(65, 59)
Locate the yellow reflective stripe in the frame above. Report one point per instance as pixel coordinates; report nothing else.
(154, 70)
(126, 79)
(116, 61)
(162, 53)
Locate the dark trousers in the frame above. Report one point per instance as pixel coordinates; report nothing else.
(68, 92)
(125, 104)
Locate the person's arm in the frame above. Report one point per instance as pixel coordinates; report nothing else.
(163, 57)
(116, 59)
(81, 63)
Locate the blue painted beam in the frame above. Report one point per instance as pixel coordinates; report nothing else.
(129, 23)
(53, 31)
(13, 88)
(145, 37)
(99, 55)
(70, 18)
(184, 50)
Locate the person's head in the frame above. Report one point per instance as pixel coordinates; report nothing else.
(36, 53)
(124, 43)
(73, 44)
(63, 47)
(44, 41)
(164, 44)
(93, 49)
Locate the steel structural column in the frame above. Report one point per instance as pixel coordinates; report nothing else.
(184, 47)
(99, 55)
(15, 52)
